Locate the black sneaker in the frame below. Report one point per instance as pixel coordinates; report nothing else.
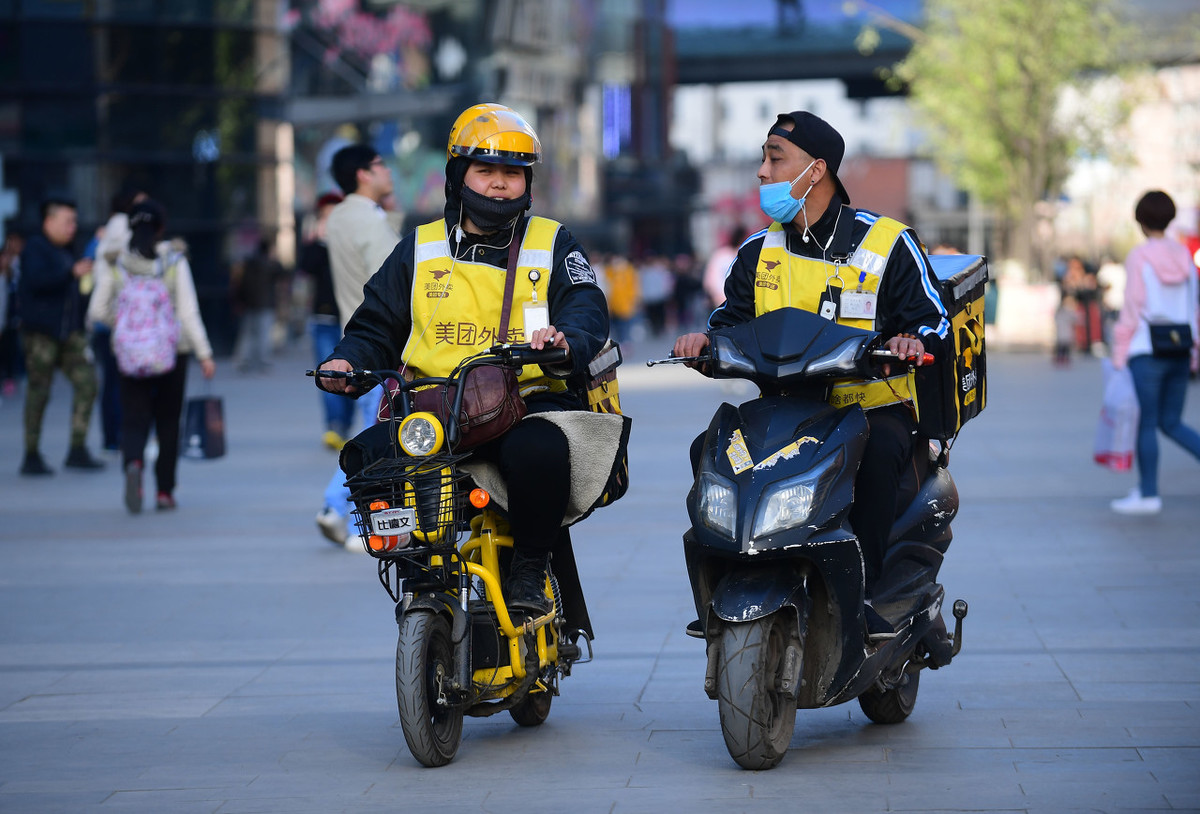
(525, 588)
(878, 628)
(33, 465)
(80, 458)
(133, 487)
(695, 629)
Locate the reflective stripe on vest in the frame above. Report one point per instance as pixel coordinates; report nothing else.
(455, 304)
(783, 279)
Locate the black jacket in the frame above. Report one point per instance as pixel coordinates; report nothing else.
(48, 291)
(908, 299)
(378, 331)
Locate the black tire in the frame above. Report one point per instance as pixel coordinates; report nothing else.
(425, 654)
(757, 719)
(533, 710)
(891, 706)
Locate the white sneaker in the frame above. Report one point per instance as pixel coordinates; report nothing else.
(332, 525)
(355, 543)
(1134, 503)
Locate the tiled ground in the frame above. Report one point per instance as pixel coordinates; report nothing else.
(224, 658)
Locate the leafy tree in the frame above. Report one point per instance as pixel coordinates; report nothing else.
(988, 78)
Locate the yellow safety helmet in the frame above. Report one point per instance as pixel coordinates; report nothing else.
(494, 134)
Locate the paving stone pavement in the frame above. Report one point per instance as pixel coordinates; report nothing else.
(225, 658)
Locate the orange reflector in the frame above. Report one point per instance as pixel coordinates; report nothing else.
(380, 505)
(479, 498)
(375, 542)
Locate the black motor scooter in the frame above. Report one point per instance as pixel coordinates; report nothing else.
(776, 570)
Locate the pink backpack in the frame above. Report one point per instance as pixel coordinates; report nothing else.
(145, 332)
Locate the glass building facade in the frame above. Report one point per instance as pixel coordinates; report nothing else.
(182, 98)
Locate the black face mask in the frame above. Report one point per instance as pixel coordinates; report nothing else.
(492, 215)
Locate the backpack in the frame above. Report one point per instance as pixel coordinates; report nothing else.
(145, 332)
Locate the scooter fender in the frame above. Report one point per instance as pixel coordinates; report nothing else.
(460, 621)
(745, 594)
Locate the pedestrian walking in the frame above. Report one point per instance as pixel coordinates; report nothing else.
(324, 325)
(717, 267)
(52, 334)
(148, 284)
(360, 236)
(1156, 335)
(12, 367)
(111, 240)
(254, 299)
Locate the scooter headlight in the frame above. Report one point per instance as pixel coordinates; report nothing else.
(790, 503)
(783, 506)
(718, 504)
(421, 434)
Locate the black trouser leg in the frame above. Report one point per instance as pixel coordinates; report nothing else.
(534, 460)
(137, 406)
(168, 406)
(877, 486)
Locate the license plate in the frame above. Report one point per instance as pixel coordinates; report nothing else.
(393, 522)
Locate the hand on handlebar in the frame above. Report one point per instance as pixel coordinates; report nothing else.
(908, 348)
(690, 345)
(549, 337)
(336, 385)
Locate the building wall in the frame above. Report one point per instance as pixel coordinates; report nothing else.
(182, 98)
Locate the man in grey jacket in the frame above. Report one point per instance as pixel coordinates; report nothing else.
(360, 237)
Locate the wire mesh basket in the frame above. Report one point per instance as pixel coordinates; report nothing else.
(404, 502)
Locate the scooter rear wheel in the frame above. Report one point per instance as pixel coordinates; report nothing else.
(891, 706)
(533, 710)
(757, 718)
(424, 667)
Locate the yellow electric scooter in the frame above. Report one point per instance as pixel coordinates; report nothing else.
(461, 650)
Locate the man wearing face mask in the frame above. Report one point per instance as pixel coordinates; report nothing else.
(885, 285)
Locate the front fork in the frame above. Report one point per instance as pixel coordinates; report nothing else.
(787, 679)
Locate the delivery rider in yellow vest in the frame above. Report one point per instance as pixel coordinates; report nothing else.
(437, 300)
(885, 285)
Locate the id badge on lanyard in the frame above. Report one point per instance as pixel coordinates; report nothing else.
(859, 304)
(537, 316)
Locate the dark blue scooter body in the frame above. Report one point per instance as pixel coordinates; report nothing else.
(747, 561)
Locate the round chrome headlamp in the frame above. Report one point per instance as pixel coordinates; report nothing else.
(421, 434)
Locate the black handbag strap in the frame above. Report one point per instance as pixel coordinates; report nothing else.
(839, 248)
(510, 278)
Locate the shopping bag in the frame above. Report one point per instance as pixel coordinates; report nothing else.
(1116, 433)
(204, 428)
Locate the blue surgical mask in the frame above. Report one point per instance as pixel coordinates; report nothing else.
(776, 201)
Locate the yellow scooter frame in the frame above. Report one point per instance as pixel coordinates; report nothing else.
(481, 558)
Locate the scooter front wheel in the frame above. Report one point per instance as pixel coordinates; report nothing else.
(424, 667)
(757, 716)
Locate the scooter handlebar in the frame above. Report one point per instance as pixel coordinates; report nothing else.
(884, 354)
(521, 354)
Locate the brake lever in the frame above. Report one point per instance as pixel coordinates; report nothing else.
(677, 360)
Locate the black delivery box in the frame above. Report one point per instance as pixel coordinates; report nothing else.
(953, 390)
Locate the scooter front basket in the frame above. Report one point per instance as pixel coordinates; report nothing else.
(409, 502)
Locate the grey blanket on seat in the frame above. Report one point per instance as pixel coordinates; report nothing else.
(594, 440)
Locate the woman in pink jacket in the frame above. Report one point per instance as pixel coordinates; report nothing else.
(1160, 286)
